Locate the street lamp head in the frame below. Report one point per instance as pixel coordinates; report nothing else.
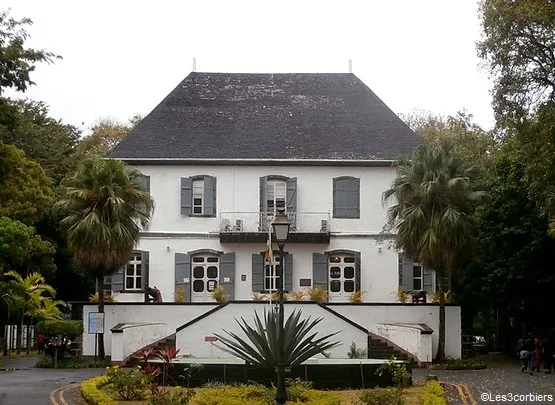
(281, 227)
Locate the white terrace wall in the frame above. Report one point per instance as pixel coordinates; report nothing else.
(191, 340)
(368, 316)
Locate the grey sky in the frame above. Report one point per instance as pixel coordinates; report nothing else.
(123, 57)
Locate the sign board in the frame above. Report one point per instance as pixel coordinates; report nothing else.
(96, 323)
(210, 339)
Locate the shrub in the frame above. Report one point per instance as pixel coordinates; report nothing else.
(180, 294)
(433, 394)
(173, 396)
(355, 353)
(71, 329)
(129, 384)
(44, 362)
(298, 295)
(317, 294)
(356, 297)
(275, 296)
(463, 364)
(399, 374)
(107, 298)
(259, 297)
(238, 395)
(219, 294)
(92, 394)
(448, 297)
(402, 295)
(381, 396)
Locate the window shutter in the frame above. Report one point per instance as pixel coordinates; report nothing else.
(145, 257)
(288, 286)
(263, 225)
(292, 201)
(186, 196)
(357, 271)
(145, 180)
(427, 278)
(210, 196)
(227, 272)
(257, 273)
(117, 281)
(182, 272)
(320, 270)
(346, 197)
(406, 269)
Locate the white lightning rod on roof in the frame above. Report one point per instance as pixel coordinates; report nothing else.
(350, 66)
(194, 64)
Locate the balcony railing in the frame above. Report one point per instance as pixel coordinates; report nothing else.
(301, 222)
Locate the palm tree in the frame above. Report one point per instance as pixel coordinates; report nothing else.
(105, 206)
(433, 213)
(30, 292)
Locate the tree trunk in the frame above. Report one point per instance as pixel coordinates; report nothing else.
(100, 282)
(440, 356)
(5, 351)
(29, 336)
(19, 341)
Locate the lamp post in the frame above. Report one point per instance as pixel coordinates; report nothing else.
(280, 228)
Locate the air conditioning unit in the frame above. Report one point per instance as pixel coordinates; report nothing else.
(238, 225)
(325, 226)
(225, 225)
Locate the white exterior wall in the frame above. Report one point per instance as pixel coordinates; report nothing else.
(367, 316)
(191, 340)
(408, 338)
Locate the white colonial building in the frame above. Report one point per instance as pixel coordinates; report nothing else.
(222, 153)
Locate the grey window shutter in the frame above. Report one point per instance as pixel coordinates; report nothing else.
(292, 201)
(257, 273)
(183, 274)
(145, 180)
(263, 219)
(320, 270)
(186, 196)
(210, 196)
(288, 273)
(357, 271)
(346, 197)
(406, 267)
(117, 281)
(427, 277)
(145, 258)
(227, 274)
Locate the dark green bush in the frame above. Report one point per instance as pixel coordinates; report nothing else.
(71, 329)
(44, 362)
(381, 396)
(463, 364)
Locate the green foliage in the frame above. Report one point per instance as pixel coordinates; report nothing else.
(69, 363)
(25, 192)
(402, 295)
(44, 362)
(317, 294)
(261, 346)
(463, 364)
(356, 297)
(400, 376)
(93, 395)
(355, 353)
(236, 395)
(219, 294)
(433, 394)
(518, 39)
(381, 396)
(447, 296)
(45, 140)
(174, 396)
(71, 329)
(129, 383)
(18, 62)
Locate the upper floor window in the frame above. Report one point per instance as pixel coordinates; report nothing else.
(134, 274)
(346, 197)
(198, 196)
(277, 193)
(275, 196)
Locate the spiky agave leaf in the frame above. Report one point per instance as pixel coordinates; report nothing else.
(260, 347)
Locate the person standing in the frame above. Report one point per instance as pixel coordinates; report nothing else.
(529, 347)
(537, 353)
(40, 342)
(547, 354)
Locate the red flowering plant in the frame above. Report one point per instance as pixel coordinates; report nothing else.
(143, 356)
(167, 355)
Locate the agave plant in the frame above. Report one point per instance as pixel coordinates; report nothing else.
(261, 348)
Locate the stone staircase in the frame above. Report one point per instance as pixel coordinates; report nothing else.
(381, 348)
(164, 343)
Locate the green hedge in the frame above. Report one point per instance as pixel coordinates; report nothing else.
(433, 394)
(92, 394)
(71, 329)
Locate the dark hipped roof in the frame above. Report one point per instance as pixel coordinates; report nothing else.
(270, 116)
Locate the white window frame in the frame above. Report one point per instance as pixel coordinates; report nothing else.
(272, 275)
(131, 273)
(342, 265)
(421, 278)
(197, 186)
(277, 189)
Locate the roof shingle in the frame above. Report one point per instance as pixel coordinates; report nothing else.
(270, 116)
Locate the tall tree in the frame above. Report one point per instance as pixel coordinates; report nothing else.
(106, 205)
(433, 214)
(518, 46)
(25, 192)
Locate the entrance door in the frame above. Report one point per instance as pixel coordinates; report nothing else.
(341, 277)
(206, 276)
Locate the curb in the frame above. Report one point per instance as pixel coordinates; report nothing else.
(14, 368)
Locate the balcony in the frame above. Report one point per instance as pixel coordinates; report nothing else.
(253, 227)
